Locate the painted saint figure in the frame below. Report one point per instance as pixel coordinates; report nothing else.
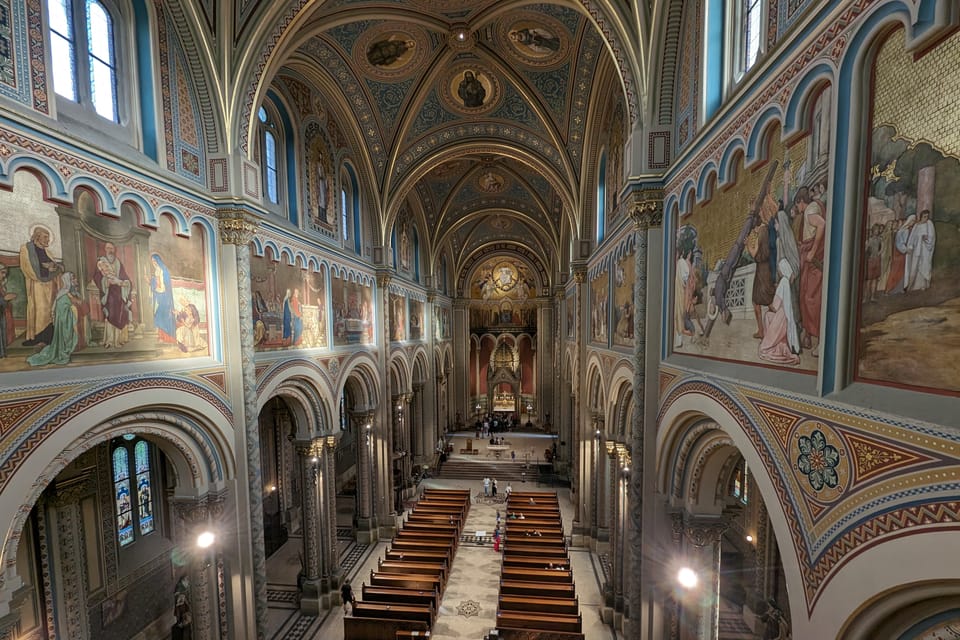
(7, 329)
(115, 302)
(384, 53)
(781, 340)
(65, 336)
(471, 90)
(188, 328)
(292, 318)
(537, 40)
(164, 311)
(41, 273)
(920, 245)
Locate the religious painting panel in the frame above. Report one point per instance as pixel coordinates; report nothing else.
(748, 276)
(320, 189)
(289, 305)
(442, 322)
(599, 308)
(623, 278)
(398, 318)
(416, 320)
(404, 249)
(353, 318)
(909, 298)
(78, 287)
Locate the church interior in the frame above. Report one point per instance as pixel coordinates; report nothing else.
(378, 319)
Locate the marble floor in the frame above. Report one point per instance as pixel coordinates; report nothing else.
(469, 605)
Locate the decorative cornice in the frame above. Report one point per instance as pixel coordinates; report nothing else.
(201, 510)
(237, 226)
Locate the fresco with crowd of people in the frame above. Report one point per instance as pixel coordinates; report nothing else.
(353, 312)
(748, 279)
(289, 305)
(909, 311)
(78, 286)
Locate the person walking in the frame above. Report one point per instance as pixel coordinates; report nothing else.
(486, 487)
(508, 491)
(347, 597)
(493, 487)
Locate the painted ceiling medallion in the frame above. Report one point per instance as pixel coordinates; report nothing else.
(535, 39)
(391, 52)
(490, 181)
(501, 223)
(470, 89)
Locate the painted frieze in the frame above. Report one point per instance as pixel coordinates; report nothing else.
(289, 305)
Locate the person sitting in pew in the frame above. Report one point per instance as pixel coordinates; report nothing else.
(532, 501)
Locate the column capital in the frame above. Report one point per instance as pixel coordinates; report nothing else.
(237, 226)
(701, 530)
(383, 278)
(73, 489)
(646, 208)
(197, 511)
(580, 274)
(311, 448)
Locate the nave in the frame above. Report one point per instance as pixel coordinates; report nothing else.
(469, 605)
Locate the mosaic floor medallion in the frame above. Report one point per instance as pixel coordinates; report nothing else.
(468, 608)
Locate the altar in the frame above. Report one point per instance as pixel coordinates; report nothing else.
(505, 402)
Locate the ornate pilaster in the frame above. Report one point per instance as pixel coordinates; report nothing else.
(646, 211)
(309, 454)
(328, 512)
(192, 517)
(237, 228)
(71, 583)
(596, 473)
(702, 535)
(363, 422)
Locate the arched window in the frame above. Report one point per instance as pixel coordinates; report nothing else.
(602, 198)
(739, 482)
(270, 156)
(350, 210)
(133, 488)
(84, 55)
(751, 31)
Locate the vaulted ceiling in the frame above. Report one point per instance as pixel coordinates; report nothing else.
(474, 114)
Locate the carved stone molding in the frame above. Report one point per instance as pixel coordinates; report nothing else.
(384, 279)
(74, 489)
(701, 531)
(236, 226)
(200, 510)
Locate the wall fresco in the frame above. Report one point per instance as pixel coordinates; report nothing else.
(599, 308)
(398, 318)
(623, 279)
(289, 305)
(441, 320)
(748, 278)
(78, 287)
(909, 311)
(416, 320)
(353, 313)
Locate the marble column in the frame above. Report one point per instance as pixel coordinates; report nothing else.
(702, 536)
(596, 473)
(311, 481)
(193, 516)
(328, 511)
(646, 211)
(576, 427)
(237, 227)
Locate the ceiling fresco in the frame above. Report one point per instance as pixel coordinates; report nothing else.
(473, 113)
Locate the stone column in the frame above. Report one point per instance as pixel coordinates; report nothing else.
(192, 517)
(70, 555)
(312, 480)
(576, 430)
(702, 535)
(328, 510)
(461, 361)
(422, 425)
(237, 228)
(596, 473)
(362, 422)
(646, 211)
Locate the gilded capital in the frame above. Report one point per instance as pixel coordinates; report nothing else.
(580, 276)
(646, 209)
(236, 226)
(383, 280)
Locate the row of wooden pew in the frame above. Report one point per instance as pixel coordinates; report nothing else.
(404, 592)
(538, 598)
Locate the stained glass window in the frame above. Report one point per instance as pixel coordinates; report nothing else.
(144, 489)
(270, 144)
(121, 489)
(100, 57)
(133, 489)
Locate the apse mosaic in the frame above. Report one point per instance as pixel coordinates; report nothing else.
(79, 287)
(499, 278)
(909, 311)
(289, 305)
(748, 276)
(354, 321)
(623, 311)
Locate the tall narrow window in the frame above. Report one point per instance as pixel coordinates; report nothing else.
(84, 56)
(752, 10)
(133, 492)
(602, 199)
(344, 208)
(269, 156)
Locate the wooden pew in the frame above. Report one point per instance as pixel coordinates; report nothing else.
(412, 634)
(461, 494)
(535, 521)
(431, 526)
(371, 593)
(535, 562)
(521, 532)
(569, 606)
(420, 582)
(536, 575)
(507, 633)
(364, 609)
(379, 628)
(422, 545)
(537, 589)
(510, 549)
(409, 566)
(535, 541)
(547, 622)
(427, 536)
(417, 556)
